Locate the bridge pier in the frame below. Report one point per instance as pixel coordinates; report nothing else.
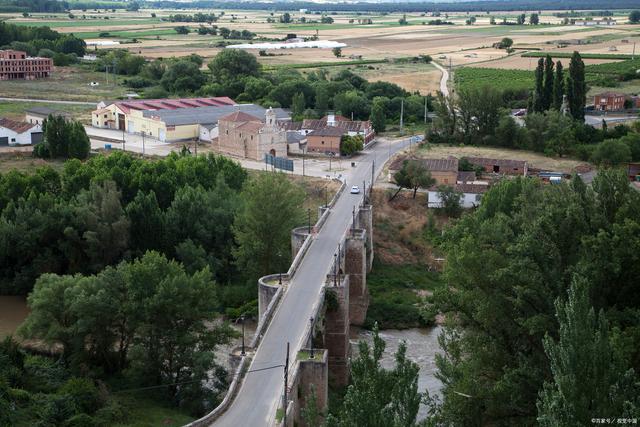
(355, 265)
(336, 329)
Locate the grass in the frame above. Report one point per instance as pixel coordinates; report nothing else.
(542, 54)
(65, 83)
(24, 162)
(396, 298)
(15, 109)
(145, 412)
(127, 34)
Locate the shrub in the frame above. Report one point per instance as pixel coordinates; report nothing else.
(83, 393)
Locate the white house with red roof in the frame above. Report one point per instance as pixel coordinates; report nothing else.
(14, 132)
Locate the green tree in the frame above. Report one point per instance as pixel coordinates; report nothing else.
(352, 103)
(232, 64)
(107, 228)
(377, 397)
(538, 95)
(337, 51)
(285, 18)
(55, 131)
(534, 19)
(634, 16)
(351, 144)
(413, 175)
(272, 208)
(377, 117)
(79, 144)
(181, 29)
(589, 379)
(547, 94)
(182, 76)
(558, 87)
(450, 201)
(147, 223)
(611, 152)
(297, 106)
(576, 87)
(322, 99)
(506, 43)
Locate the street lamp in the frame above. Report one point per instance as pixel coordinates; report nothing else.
(242, 319)
(279, 262)
(309, 218)
(335, 269)
(311, 338)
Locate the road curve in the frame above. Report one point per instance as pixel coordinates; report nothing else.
(260, 393)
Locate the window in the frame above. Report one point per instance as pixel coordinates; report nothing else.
(105, 116)
(322, 142)
(13, 140)
(227, 131)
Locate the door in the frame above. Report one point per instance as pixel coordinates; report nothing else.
(36, 137)
(4, 141)
(162, 134)
(131, 128)
(121, 121)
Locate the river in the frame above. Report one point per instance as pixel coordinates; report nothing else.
(13, 311)
(422, 347)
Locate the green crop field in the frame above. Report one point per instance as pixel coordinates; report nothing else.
(613, 56)
(469, 77)
(126, 34)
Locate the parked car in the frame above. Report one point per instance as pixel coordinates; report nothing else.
(355, 190)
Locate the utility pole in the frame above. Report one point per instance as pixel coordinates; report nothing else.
(123, 141)
(243, 352)
(425, 110)
(401, 116)
(142, 143)
(633, 55)
(373, 168)
(286, 386)
(311, 338)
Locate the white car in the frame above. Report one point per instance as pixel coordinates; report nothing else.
(355, 190)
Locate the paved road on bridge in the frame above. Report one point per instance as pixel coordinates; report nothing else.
(261, 392)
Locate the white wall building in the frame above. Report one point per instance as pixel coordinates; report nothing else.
(471, 195)
(13, 132)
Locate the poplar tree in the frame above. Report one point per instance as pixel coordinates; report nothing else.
(576, 87)
(297, 106)
(547, 96)
(538, 96)
(558, 87)
(377, 117)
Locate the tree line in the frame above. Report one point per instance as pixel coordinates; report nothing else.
(41, 41)
(479, 115)
(462, 6)
(542, 306)
(237, 74)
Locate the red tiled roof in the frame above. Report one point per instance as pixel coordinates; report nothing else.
(327, 131)
(348, 125)
(250, 126)
(239, 116)
(481, 161)
(16, 126)
(465, 176)
(172, 104)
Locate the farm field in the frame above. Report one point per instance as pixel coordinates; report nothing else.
(381, 42)
(66, 83)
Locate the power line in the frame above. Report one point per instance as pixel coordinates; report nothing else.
(187, 382)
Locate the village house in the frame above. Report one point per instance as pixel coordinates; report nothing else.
(613, 101)
(501, 166)
(325, 140)
(244, 135)
(444, 171)
(13, 132)
(348, 127)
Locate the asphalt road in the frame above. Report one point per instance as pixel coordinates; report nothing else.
(261, 392)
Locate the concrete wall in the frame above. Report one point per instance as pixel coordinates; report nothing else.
(267, 288)
(468, 200)
(298, 236)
